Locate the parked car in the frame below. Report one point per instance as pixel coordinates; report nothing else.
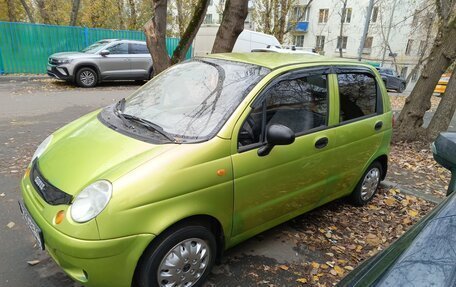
(105, 60)
(425, 255)
(156, 187)
(246, 42)
(441, 86)
(392, 80)
(273, 49)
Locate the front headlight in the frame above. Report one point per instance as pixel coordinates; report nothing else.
(42, 147)
(91, 201)
(63, 61)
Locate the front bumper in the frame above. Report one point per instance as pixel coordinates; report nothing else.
(108, 262)
(60, 72)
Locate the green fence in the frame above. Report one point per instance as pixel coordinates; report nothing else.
(25, 48)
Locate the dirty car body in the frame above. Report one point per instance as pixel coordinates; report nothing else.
(204, 156)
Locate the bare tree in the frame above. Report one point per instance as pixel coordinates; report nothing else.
(442, 55)
(27, 11)
(43, 11)
(133, 16)
(231, 26)
(343, 15)
(74, 12)
(10, 5)
(120, 8)
(155, 31)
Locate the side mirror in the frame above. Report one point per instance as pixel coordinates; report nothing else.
(104, 52)
(276, 135)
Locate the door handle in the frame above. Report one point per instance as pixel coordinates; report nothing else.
(378, 125)
(321, 142)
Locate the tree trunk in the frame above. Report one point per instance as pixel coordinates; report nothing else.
(190, 33)
(341, 32)
(133, 16)
(232, 25)
(445, 111)
(180, 18)
(27, 11)
(11, 10)
(120, 7)
(155, 31)
(74, 12)
(443, 53)
(43, 13)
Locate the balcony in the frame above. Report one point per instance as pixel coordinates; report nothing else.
(301, 26)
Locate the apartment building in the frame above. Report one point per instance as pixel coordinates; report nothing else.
(397, 37)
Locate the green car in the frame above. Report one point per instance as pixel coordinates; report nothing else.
(151, 191)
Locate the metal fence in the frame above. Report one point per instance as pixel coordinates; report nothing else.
(25, 47)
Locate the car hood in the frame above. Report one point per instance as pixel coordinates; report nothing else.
(86, 150)
(71, 55)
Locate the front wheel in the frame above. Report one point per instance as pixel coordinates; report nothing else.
(181, 258)
(367, 185)
(86, 78)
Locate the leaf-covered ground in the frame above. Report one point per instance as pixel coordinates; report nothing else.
(333, 239)
(398, 101)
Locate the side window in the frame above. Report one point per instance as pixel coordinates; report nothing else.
(357, 95)
(121, 48)
(138, 49)
(300, 104)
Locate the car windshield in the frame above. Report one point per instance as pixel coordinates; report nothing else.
(95, 47)
(192, 100)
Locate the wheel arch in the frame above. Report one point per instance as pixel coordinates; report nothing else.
(383, 160)
(87, 65)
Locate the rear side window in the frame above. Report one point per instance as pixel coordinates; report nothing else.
(301, 104)
(121, 48)
(138, 49)
(357, 95)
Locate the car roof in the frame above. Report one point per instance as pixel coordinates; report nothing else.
(276, 60)
(124, 40)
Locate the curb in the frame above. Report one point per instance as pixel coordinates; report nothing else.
(425, 196)
(22, 78)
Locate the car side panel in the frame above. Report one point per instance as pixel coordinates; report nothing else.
(140, 65)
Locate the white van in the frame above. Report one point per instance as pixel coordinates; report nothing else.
(246, 42)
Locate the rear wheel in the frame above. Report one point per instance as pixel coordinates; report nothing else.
(183, 257)
(86, 77)
(367, 185)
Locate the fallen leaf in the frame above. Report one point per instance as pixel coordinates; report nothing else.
(284, 267)
(2, 194)
(315, 265)
(33, 262)
(339, 270)
(413, 213)
(301, 280)
(11, 225)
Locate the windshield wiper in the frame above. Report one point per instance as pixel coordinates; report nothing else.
(118, 111)
(150, 126)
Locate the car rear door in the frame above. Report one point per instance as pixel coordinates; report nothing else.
(361, 128)
(115, 65)
(140, 60)
(292, 178)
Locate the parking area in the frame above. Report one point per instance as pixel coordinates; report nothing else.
(316, 249)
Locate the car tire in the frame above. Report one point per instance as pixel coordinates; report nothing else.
(189, 240)
(151, 74)
(401, 88)
(86, 77)
(367, 185)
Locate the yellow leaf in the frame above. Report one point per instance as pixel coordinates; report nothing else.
(315, 265)
(324, 266)
(333, 272)
(348, 268)
(413, 213)
(390, 201)
(339, 270)
(284, 267)
(301, 280)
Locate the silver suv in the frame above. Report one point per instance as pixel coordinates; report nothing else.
(105, 60)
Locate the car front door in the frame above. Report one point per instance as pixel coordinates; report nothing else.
(290, 179)
(115, 65)
(140, 60)
(361, 127)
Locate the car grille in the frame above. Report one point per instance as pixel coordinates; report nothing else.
(53, 61)
(46, 190)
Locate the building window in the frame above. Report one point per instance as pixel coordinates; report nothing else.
(347, 15)
(374, 15)
(323, 16)
(415, 18)
(422, 48)
(404, 72)
(298, 40)
(208, 19)
(320, 43)
(300, 13)
(368, 45)
(342, 42)
(409, 47)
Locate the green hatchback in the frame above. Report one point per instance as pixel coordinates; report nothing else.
(150, 191)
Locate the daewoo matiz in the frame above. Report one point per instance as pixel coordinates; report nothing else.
(151, 190)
